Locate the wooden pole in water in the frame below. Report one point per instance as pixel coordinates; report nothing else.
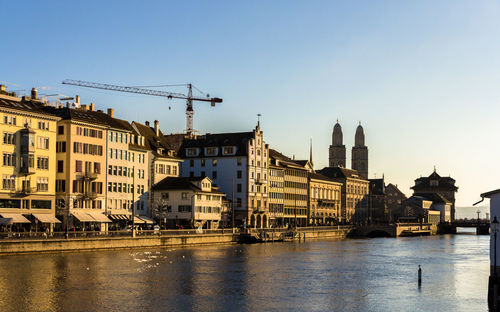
(419, 276)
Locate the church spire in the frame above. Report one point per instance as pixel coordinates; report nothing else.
(311, 152)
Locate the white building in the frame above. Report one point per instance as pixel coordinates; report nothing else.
(238, 164)
(187, 202)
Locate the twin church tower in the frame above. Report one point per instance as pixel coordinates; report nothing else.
(359, 156)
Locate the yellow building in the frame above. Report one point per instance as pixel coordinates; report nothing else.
(27, 194)
(81, 166)
(354, 196)
(276, 188)
(324, 200)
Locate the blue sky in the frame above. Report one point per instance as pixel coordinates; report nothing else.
(421, 76)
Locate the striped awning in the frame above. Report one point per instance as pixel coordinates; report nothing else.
(118, 217)
(16, 217)
(82, 216)
(99, 217)
(142, 220)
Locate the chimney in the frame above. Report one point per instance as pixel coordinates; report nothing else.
(111, 112)
(68, 105)
(77, 99)
(2, 87)
(85, 107)
(92, 106)
(34, 93)
(147, 123)
(157, 128)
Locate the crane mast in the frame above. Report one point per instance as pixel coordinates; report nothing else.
(138, 90)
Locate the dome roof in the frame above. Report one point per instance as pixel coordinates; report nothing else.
(359, 138)
(337, 135)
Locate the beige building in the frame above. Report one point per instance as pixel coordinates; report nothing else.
(158, 159)
(354, 196)
(295, 189)
(188, 202)
(27, 194)
(276, 182)
(324, 200)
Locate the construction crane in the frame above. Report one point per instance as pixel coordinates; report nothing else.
(140, 90)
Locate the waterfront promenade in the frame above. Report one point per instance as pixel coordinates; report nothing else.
(18, 243)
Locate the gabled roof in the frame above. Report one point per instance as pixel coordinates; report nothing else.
(238, 139)
(88, 116)
(340, 172)
(155, 142)
(393, 188)
(377, 186)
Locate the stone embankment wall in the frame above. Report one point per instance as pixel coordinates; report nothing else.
(325, 234)
(89, 244)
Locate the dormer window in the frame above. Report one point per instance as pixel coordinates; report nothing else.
(434, 182)
(192, 152)
(228, 150)
(211, 151)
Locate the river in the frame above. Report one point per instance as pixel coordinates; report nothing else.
(377, 274)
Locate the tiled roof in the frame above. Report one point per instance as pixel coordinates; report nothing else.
(32, 107)
(238, 139)
(443, 182)
(154, 142)
(318, 176)
(434, 197)
(283, 160)
(88, 116)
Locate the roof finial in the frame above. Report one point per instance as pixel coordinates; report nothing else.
(337, 120)
(258, 120)
(434, 168)
(360, 122)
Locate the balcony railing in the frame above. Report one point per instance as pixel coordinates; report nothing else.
(26, 170)
(90, 195)
(90, 175)
(25, 191)
(260, 181)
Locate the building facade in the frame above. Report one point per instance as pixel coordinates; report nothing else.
(276, 184)
(435, 184)
(355, 192)
(188, 202)
(27, 194)
(238, 164)
(324, 200)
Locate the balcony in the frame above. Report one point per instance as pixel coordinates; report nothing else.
(90, 195)
(25, 191)
(260, 181)
(26, 170)
(89, 175)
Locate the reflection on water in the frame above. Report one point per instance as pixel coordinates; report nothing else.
(351, 275)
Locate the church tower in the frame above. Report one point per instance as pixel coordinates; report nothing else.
(359, 155)
(337, 149)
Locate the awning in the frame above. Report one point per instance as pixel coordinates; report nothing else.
(82, 216)
(142, 220)
(16, 217)
(6, 221)
(118, 217)
(98, 217)
(46, 218)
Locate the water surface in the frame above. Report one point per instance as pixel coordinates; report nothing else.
(351, 275)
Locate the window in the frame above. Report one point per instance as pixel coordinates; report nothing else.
(42, 163)
(238, 202)
(228, 150)
(191, 163)
(203, 162)
(60, 166)
(211, 151)
(41, 204)
(238, 174)
(42, 184)
(60, 185)
(184, 208)
(239, 161)
(43, 125)
(192, 152)
(97, 167)
(9, 138)
(214, 174)
(9, 159)
(203, 174)
(8, 182)
(214, 162)
(238, 188)
(184, 195)
(9, 120)
(60, 130)
(43, 143)
(164, 195)
(61, 147)
(78, 166)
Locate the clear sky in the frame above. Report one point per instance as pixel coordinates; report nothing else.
(421, 76)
